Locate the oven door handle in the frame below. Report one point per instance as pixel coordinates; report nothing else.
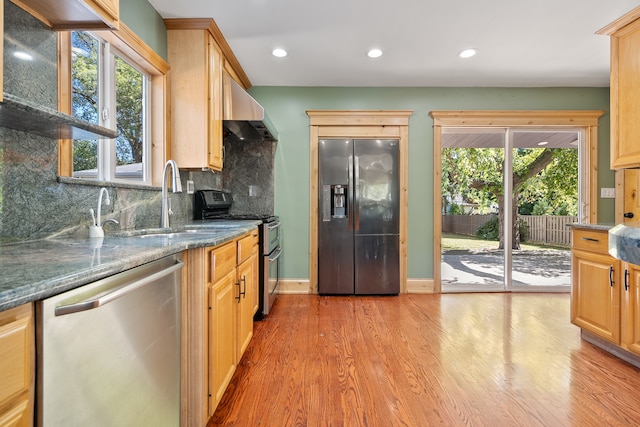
(274, 225)
(276, 255)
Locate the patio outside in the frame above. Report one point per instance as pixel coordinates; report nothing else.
(473, 264)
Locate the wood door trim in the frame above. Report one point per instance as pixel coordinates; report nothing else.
(585, 119)
(357, 124)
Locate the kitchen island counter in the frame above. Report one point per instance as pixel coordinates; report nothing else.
(34, 270)
(624, 242)
(604, 227)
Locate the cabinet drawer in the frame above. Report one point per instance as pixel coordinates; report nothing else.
(591, 240)
(245, 247)
(223, 261)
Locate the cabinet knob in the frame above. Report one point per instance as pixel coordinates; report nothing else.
(628, 215)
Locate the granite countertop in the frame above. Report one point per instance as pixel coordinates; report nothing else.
(38, 269)
(604, 227)
(624, 242)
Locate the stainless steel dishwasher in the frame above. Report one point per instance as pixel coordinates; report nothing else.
(109, 352)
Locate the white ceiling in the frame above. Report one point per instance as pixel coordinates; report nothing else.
(522, 43)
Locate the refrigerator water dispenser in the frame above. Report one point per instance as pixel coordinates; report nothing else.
(334, 201)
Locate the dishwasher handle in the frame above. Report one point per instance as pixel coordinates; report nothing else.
(91, 303)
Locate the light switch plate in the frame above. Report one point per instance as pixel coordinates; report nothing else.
(608, 193)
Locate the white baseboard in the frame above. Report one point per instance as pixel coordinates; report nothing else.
(302, 286)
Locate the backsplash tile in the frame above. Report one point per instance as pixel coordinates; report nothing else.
(34, 204)
(250, 163)
(34, 79)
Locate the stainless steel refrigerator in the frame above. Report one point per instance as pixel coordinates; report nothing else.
(358, 218)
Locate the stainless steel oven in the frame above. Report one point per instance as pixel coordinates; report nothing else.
(216, 205)
(270, 271)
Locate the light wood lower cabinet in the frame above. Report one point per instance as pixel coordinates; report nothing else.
(605, 294)
(595, 297)
(631, 309)
(17, 354)
(246, 280)
(222, 337)
(219, 287)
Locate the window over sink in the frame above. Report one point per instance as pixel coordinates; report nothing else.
(108, 90)
(114, 80)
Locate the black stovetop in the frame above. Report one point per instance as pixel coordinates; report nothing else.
(214, 204)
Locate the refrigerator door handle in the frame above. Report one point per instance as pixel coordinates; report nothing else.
(356, 195)
(350, 195)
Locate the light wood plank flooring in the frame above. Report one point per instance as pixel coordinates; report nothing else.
(427, 360)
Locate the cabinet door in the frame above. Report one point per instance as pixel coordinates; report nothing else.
(595, 299)
(196, 95)
(256, 279)
(215, 106)
(632, 312)
(246, 279)
(625, 97)
(16, 366)
(222, 337)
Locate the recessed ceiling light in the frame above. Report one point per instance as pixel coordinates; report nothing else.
(280, 53)
(467, 53)
(374, 53)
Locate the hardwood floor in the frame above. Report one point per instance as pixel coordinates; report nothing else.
(425, 360)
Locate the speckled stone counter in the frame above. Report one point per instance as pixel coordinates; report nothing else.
(604, 227)
(38, 269)
(624, 242)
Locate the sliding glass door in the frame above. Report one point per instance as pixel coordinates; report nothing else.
(508, 234)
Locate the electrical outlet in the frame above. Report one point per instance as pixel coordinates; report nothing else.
(190, 187)
(608, 193)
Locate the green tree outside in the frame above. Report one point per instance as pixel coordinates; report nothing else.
(545, 182)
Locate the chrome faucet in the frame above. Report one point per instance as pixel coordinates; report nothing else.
(176, 187)
(96, 228)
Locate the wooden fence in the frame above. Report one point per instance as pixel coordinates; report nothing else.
(548, 230)
(464, 224)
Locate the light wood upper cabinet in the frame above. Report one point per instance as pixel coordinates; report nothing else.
(625, 90)
(75, 14)
(196, 96)
(17, 355)
(198, 54)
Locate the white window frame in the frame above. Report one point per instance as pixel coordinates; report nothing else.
(106, 153)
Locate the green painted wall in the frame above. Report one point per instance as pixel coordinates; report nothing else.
(286, 107)
(143, 20)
